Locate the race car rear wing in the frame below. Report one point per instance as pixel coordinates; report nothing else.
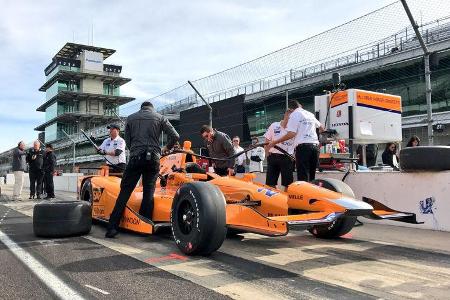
(382, 212)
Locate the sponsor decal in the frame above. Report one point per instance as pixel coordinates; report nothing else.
(296, 197)
(340, 98)
(339, 124)
(267, 192)
(379, 101)
(99, 210)
(426, 206)
(97, 194)
(131, 220)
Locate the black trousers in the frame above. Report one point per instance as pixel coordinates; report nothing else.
(49, 186)
(307, 160)
(137, 167)
(36, 178)
(279, 164)
(221, 171)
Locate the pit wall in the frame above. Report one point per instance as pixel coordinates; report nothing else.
(67, 182)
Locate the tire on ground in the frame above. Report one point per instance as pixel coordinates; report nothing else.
(198, 218)
(62, 218)
(425, 158)
(342, 225)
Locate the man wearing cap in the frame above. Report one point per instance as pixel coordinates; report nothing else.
(114, 149)
(142, 133)
(49, 170)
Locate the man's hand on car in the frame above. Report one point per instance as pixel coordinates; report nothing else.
(230, 171)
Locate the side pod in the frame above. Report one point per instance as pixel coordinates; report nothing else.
(382, 212)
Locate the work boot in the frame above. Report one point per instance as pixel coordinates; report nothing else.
(111, 233)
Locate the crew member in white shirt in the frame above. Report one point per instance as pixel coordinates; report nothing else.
(239, 166)
(114, 149)
(302, 126)
(278, 162)
(257, 156)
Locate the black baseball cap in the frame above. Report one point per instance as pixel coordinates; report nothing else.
(115, 126)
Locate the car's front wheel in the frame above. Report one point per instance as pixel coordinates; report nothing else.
(338, 227)
(198, 218)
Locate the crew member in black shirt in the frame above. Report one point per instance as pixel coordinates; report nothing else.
(142, 132)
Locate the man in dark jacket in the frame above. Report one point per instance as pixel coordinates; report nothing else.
(142, 133)
(219, 146)
(35, 160)
(49, 170)
(18, 165)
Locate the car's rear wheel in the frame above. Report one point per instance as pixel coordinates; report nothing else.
(342, 225)
(198, 218)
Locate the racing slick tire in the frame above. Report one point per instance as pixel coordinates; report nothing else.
(335, 185)
(62, 218)
(425, 158)
(342, 225)
(198, 218)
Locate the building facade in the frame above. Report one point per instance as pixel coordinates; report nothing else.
(394, 65)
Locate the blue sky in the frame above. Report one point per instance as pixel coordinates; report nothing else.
(161, 44)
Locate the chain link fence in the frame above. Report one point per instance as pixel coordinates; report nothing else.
(380, 34)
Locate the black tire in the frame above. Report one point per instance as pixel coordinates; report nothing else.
(62, 218)
(198, 218)
(86, 191)
(335, 185)
(425, 158)
(342, 225)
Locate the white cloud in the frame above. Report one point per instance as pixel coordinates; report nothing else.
(161, 44)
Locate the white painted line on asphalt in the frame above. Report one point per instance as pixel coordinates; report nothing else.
(97, 289)
(56, 285)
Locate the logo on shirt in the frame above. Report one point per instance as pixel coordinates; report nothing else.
(338, 113)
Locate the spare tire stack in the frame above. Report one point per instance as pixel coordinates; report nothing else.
(425, 158)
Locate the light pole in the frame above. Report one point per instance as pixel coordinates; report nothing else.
(426, 56)
(203, 99)
(73, 142)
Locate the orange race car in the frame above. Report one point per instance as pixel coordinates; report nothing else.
(200, 207)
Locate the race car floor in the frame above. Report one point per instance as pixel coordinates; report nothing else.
(373, 261)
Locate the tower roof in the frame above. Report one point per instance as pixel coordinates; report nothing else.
(70, 50)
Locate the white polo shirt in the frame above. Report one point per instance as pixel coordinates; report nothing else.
(304, 124)
(276, 131)
(240, 160)
(109, 145)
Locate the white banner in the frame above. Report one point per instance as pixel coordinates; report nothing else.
(93, 61)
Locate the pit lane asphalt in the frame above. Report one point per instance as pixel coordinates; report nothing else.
(80, 262)
(374, 261)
